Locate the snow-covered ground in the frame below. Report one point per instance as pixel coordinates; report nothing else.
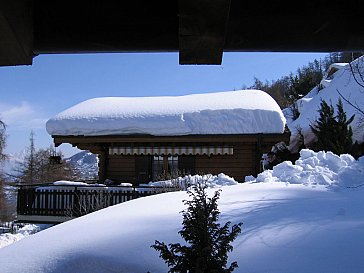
(306, 217)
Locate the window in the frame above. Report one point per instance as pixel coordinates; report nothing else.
(164, 167)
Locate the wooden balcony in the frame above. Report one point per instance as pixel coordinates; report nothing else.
(56, 204)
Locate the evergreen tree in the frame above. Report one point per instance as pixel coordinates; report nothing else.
(209, 243)
(304, 81)
(333, 133)
(323, 126)
(345, 133)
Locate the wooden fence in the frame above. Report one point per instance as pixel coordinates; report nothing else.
(76, 201)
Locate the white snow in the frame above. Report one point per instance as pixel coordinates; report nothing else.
(302, 218)
(318, 168)
(233, 112)
(9, 238)
(69, 183)
(211, 181)
(342, 81)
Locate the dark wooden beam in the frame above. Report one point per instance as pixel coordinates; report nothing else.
(202, 30)
(16, 32)
(87, 142)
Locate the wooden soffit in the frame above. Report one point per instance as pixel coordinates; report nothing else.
(202, 30)
(89, 141)
(16, 32)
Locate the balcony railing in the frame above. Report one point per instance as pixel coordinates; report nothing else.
(67, 202)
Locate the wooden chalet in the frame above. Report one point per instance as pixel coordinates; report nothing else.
(126, 156)
(139, 140)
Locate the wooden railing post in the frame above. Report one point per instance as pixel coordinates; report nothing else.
(20, 201)
(76, 209)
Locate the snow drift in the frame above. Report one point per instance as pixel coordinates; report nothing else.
(317, 168)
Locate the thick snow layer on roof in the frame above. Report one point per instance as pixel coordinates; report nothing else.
(233, 112)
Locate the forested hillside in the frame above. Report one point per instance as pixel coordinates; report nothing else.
(294, 86)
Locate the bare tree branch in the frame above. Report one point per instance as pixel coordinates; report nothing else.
(357, 74)
(356, 107)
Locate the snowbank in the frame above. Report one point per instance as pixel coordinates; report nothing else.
(234, 112)
(321, 168)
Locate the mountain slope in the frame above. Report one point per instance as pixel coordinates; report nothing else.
(86, 163)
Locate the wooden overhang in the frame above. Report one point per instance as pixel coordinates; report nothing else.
(95, 142)
(200, 30)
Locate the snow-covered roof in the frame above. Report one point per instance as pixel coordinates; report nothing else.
(328, 75)
(233, 112)
(337, 65)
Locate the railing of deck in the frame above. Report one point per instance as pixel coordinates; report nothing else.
(74, 201)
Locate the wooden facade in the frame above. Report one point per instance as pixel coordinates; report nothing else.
(141, 158)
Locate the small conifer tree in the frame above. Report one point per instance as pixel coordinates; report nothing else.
(333, 133)
(344, 142)
(208, 243)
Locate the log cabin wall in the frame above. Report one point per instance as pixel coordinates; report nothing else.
(121, 168)
(238, 165)
(245, 160)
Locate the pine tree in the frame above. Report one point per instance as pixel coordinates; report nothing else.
(333, 133)
(208, 243)
(344, 142)
(323, 126)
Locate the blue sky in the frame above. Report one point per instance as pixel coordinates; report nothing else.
(30, 95)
